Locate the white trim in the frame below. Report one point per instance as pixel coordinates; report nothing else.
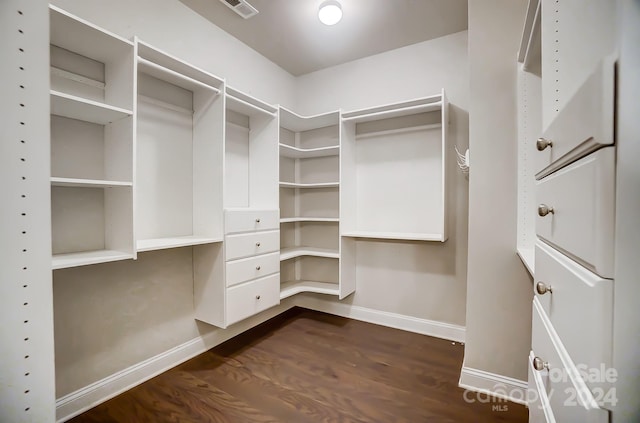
(499, 386)
(92, 395)
(385, 318)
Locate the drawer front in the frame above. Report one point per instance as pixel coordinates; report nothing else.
(569, 398)
(243, 270)
(577, 295)
(581, 222)
(584, 124)
(251, 244)
(252, 297)
(538, 402)
(250, 220)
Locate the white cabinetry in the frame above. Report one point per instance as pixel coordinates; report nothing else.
(310, 204)
(179, 152)
(91, 143)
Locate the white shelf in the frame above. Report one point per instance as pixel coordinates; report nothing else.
(318, 185)
(173, 77)
(309, 219)
(394, 235)
(84, 258)
(289, 253)
(527, 255)
(79, 108)
(173, 242)
(88, 183)
(289, 288)
(307, 153)
(297, 123)
(420, 105)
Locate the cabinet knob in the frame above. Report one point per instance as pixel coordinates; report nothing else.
(542, 143)
(257, 297)
(257, 267)
(258, 220)
(544, 210)
(539, 364)
(258, 244)
(543, 288)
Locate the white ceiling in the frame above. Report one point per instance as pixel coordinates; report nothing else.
(289, 33)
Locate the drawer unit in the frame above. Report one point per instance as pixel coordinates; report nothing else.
(569, 293)
(243, 270)
(250, 244)
(236, 221)
(569, 397)
(576, 210)
(252, 297)
(538, 402)
(583, 125)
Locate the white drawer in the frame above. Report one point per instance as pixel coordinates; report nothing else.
(251, 244)
(537, 400)
(252, 297)
(251, 268)
(250, 220)
(569, 397)
(581, 224)
(583, 125)
(577, 295)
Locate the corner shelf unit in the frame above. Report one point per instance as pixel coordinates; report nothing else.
(310, 205)
(91, 143)
(179, 152)
(393, 168)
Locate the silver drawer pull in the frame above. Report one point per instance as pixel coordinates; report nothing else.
(543, 288)
(257, 297)
(258, 244)
(257, 267)
(544, 210)
(542, 143)
(258, 220)
(539, 364)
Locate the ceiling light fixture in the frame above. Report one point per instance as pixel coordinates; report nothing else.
(330, 12)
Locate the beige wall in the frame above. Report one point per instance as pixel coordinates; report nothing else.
(499, 290)
(426, 280)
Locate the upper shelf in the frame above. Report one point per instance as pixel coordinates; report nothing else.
(530, 54)
(74, 107)
(297, 123)
(307, 153)
(248, 105)
(411, 107)
(315, 185)
(74, 34)
(87, 183)
(169, 68)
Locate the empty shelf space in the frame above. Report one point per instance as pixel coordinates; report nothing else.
(173, 242)
(290, 288)
(289, 253)
(306, 153)
(405, 236)
(89, 183)
(79, 108)
(61, 73)
(316, 185)
(309, 219)
(421, 105)
(84, 258)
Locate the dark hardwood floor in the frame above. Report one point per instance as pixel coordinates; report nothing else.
(305, 366)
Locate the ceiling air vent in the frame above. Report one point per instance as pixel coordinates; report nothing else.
(241, 7)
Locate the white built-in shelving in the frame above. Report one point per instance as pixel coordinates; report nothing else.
(179, 152)
(91, 143)
(393, 171)
(310, 204)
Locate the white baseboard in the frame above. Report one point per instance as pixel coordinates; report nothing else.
(499, 386)
(88, 397)
(384, 318)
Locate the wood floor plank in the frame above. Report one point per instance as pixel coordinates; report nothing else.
(305, 366)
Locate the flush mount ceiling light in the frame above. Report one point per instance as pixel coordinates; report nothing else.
(330, 12)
